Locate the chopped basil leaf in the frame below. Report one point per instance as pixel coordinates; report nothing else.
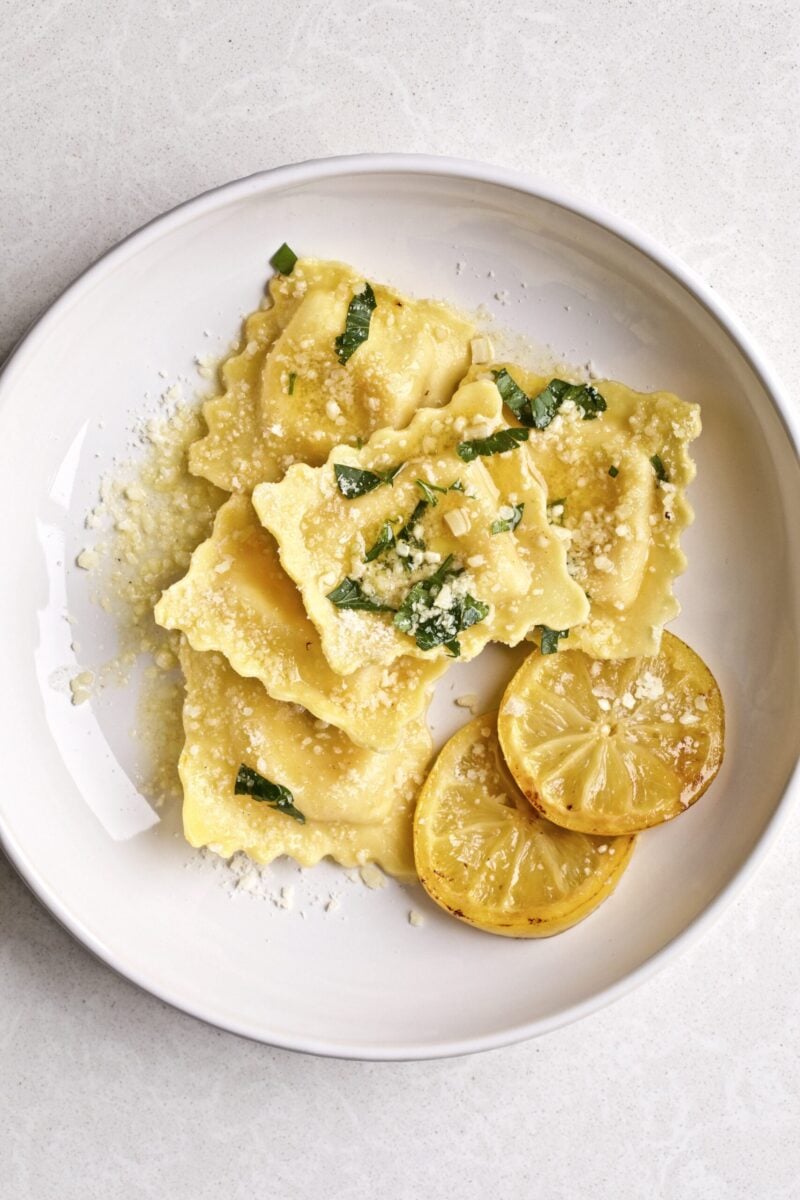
(660, 469)
(353, 482)
(586, 398)
(558, 392)
(250, 783)
(506, 524)
(350, 594)
(292, 381)
(406, 535)
(512, 395)
(613, 472)
(496, 443)
(283, 260)
(356, 326)
(429, 489)
(550, 638)
(555, 511)
(536, 412)
(384, 541)
(431, 626)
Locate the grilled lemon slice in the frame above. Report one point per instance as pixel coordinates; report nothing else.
(616, 746)
(487, 858)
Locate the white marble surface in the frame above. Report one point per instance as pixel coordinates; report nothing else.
(681, 117)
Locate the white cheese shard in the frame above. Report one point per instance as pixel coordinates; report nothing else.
(372, 876)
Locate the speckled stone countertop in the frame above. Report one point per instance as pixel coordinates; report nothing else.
(682, 118)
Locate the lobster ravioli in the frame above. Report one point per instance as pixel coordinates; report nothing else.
(428, 542)
(288, 396)
(357, 805)
(237, 599)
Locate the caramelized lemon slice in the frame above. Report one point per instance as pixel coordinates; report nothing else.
(487, 858)
(616, 746)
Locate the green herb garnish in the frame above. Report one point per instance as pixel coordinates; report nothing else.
(660, 469)
(513, 395)
(431, 626)
(250, 783)
(550, 638)
(283, 260)
(292, 382)
(356, 326)
(353, 482)
(556, 518)
(350, 594)
(583, 396)
(613, 472)
(536, 412)
(384, 540)
(496, 443)
(429, 490)
(506, 524)
(406, 535)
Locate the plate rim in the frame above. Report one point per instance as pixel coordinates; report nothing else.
(528, 184)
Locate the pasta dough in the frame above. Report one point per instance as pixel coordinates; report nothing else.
(236, 598)
(519, 574)
(288, 398)
(358, 805)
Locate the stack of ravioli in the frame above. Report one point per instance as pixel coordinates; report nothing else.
(393, 508)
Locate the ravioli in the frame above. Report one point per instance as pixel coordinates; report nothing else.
(287, 396)
(621, 523)
(358, 804)
(236, 598)
(514, 578)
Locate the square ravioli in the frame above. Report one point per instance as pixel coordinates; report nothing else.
(237, 599)
(430, 542)
(288, 396)
(358, 805)
(616, 490)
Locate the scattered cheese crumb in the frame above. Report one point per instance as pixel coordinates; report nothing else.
(81, 686)
(415, 918)
(372, 876)
(481, 349)
(648, 687)
(87, 559)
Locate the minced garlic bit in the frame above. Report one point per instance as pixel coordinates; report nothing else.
(415, 918)
(469, 700)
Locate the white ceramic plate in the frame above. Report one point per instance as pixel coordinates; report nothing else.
(361, 981)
